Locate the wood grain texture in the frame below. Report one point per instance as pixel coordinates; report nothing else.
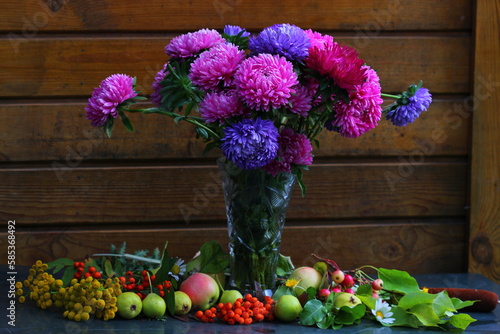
(58, 131)
(484, 254)
(114, 195)
(366, 16)
(418, 246)
(66, 66)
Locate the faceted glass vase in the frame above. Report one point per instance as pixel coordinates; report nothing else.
(256, 206)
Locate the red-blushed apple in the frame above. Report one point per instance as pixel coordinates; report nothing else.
(307, 277)
(202, 289)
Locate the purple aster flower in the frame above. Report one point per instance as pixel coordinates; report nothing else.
(216, 66)
(156, 85)
(190, 44)
(409, 109)
(265, 81)
(286, 40)
(219, 106)
(251, 143)
(235, 30)
(105, 99)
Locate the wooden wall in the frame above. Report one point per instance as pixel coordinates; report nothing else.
(397, 197)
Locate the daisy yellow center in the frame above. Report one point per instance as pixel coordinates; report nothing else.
(380, 314)
(291, 283)
(176, 269)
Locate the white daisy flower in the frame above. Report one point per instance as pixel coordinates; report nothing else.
(178, 269)
(383, 312)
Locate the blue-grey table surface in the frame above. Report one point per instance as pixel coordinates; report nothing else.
(30, 319)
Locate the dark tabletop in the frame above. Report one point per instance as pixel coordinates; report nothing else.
(30, 319)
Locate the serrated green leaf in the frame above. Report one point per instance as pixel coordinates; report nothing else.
(166, 265)
(364, 289)
(349, 315)
(414, 298)
(281, 291)
(443, 305)
(313, 312)
(425, 314)
(108, 268)
(327, 321)
(459, 304)
(461, 321)
(211, 259)
(398, 281)
(68, 275)
(170, 301)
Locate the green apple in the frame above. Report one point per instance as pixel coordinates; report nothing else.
(202, 289)
(287, 308)
(346, 299)
(182, 303)
(230, 296)
(307, 277)
(129, 305)
(153, 306)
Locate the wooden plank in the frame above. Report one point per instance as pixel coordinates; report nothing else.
(73, 66)
(28, 17)
(59, 131)
(64, 194)
(417, 246)
(484, 252)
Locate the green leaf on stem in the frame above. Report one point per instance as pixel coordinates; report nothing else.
(461, 321)
(313, 312)
(165, 267)
(350, 315)
(211, 259)
(398, 281)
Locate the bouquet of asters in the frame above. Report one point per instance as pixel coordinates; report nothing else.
(261, 99)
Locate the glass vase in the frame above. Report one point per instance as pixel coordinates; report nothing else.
(256, 205)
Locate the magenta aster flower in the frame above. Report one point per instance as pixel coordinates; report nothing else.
(219, 106)
(409, 109)
(294, 148)
(339, 62)
(156, 85)
(105, 99)
(301, 100)
(190, 44)
(318, 40)
(216, 66)
(265, 81)
(363, 111)
(251, 143)
(286, 40)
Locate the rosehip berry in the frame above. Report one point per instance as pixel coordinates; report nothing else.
(348, 281)
(377, 284)
(338, 276)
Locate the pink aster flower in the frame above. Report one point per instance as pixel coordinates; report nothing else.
(301, 100)
(218, 106)
(215, 66)
(294, 148)
(339, 62)
(156, 85)
(363, 111)
(265, 81)
(192, 43)
(318, 40)
(105, 99)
